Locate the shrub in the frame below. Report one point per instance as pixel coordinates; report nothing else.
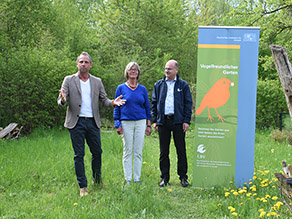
(278, 135)
(270, 102)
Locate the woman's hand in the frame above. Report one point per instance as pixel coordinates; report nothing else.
(120, 130)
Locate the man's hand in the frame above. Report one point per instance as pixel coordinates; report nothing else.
(120, 130)
(155, 126)
(63, 96)
(185, 126)
(119, 101)
(148, 130)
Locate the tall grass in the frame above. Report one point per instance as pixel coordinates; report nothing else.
(37, 180)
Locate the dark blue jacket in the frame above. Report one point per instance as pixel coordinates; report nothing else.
(182, 101)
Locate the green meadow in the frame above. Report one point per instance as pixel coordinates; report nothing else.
(37, 180)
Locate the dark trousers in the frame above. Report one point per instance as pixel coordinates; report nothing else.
(179, 142)
(86, 129)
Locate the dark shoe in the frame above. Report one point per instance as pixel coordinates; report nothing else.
(163, 183)
(96, 181)
(184, 182)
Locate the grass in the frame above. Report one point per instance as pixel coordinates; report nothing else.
(37, 180)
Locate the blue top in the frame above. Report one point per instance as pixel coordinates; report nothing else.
(137, 106)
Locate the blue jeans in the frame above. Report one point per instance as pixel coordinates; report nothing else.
(86, 129)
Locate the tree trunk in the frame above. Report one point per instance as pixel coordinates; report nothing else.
(284, 70)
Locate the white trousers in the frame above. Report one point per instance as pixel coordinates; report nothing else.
(133, 139)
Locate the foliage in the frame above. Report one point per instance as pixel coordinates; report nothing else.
(274, 19)
(46, 185)
(270, 102)
(278, 135)
(41, 39)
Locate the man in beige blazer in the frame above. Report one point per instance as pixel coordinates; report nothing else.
(82, 92)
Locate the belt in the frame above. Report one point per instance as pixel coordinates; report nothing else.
(169, 116)
(87, 118)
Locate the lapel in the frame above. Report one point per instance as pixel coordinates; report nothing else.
(92, 87)
(77, 82)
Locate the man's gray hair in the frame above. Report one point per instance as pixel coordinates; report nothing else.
(84, 54)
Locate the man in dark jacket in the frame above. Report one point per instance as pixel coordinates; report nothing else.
(171, 112)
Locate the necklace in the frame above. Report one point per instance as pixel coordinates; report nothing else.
(130, 86)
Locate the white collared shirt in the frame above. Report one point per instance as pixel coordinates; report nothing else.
(169, 101)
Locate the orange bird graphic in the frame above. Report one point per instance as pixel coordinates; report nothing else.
(216, 97)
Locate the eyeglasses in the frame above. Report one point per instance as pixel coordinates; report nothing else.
(133, 69)
(168, 69)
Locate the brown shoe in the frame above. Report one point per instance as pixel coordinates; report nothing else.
(83, 191)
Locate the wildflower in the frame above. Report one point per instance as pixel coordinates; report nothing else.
(242, 191)
(266, 171)
(254, 194)
(144, 162)
(261, 210)
(219, 205)
(278, 204)
(226, 194)
(273, 213)
(235, 214)
(254, 178)
(248, 194)
(232, 209)
(169, 190)
(235, 193)
(268, 196)
(245, 188)
(241, 203)
(275, 198)
(230, 182)
(226, 189)
(75, 204)
(262, 214)
(272, 150)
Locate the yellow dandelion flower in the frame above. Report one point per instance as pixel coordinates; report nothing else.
(266, 171)
(241, 203)
(75, 204)
(227, 193)
(235, 214)
(232, 209)
(169, 190)
(225, 189)
(254, 194)
(232, 190)
(257, 199)
(248, 194)
(219, 205)
(254, 178)
(268, 196)
(268, 214)
(275, 198)
(230, 182)
(245, 188)
(235, 193)
(262, 214)
(144, 162)
(261, 210)
(273, 213)
(272, 150)
(250, 183)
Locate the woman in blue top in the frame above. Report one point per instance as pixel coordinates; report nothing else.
(131, 121)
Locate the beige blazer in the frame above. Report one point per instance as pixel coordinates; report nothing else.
(71, 85)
